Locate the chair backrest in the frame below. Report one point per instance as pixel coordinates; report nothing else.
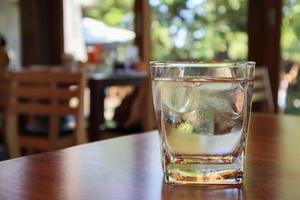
(46, 92)
(262, 89)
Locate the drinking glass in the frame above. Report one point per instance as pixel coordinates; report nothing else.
(202, 111)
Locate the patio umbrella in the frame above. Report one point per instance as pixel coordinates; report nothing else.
(97, 32)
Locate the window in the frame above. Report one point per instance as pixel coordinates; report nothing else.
(199, 30)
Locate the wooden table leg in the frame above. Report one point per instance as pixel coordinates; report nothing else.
(96, 118)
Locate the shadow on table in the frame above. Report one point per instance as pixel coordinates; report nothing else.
(180, 192)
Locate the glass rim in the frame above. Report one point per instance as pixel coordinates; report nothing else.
(213, 64)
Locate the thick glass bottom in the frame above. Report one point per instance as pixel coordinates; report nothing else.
(184, 171)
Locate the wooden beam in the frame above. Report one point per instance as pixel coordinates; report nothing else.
(264, 29)
(142, 29)
(42, 31)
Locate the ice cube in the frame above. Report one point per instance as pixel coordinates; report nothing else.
(217, 86)
(180, 97)
(239, 97)
(223, 125)
(218, 102)
(202, 120)
(223, 103)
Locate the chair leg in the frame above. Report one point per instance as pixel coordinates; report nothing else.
(80, 131)
(80, 136)
(12, 139)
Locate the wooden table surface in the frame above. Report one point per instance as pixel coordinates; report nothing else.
(129, 168)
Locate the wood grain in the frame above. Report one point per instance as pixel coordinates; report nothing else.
(129, 168)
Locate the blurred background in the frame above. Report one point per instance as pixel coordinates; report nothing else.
(107, 33)
(104, 36)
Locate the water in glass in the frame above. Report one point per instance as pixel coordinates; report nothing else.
(202, 122)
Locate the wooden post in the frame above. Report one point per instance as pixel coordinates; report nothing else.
(42, 31)
(142, 29)
(142, 40)
(264, 29)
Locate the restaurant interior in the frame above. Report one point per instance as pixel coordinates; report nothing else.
(74, 72)
(117, 39)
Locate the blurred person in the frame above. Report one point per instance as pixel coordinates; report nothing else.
(4, 59)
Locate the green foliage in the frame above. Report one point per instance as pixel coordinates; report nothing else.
(113, 12)
(290, 30)
(215, 29)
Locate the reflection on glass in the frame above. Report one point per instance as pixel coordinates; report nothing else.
(182, 192)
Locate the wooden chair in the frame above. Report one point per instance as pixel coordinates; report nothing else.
(262, 90)
(44, 94)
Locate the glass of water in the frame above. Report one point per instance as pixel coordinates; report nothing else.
(202, 111)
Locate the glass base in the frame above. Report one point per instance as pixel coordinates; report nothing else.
(183, 171)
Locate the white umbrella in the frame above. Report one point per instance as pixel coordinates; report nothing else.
(96, 32)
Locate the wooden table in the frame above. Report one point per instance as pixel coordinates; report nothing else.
(128, 168)
(97, 84)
